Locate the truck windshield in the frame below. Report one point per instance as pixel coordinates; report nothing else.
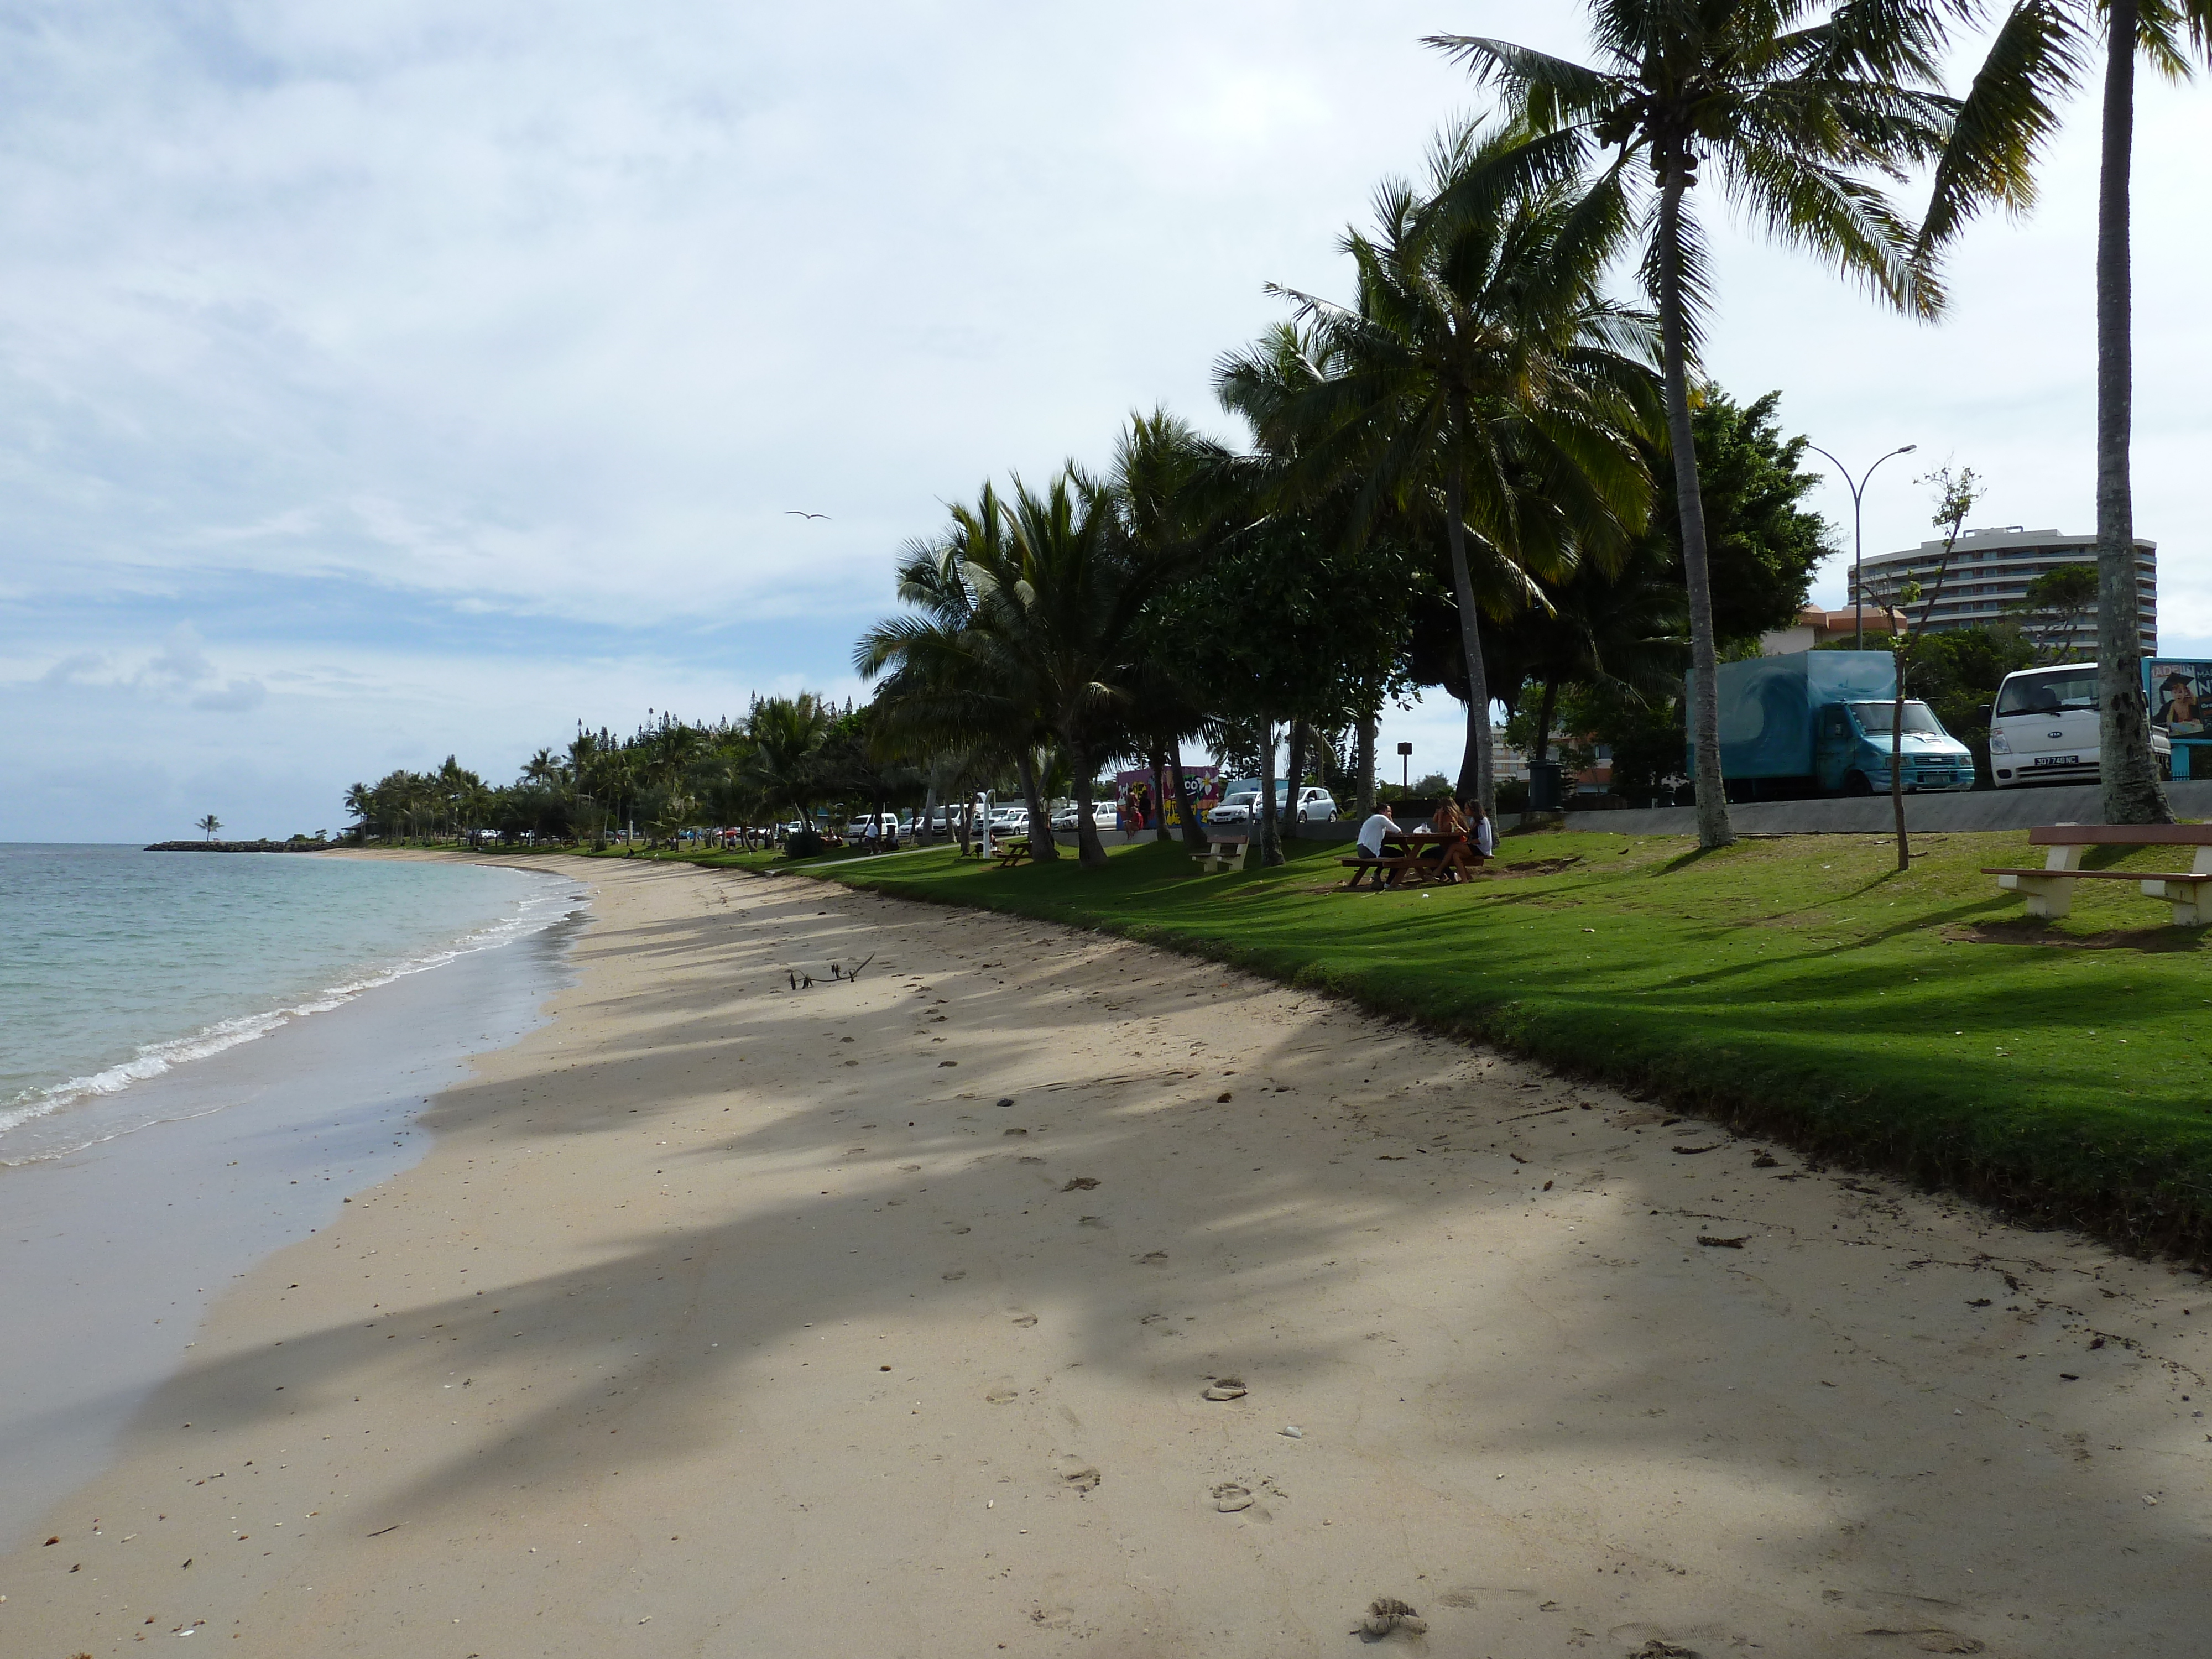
(1874, 718)
(2049, 693)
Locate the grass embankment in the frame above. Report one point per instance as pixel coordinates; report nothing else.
(1802, 988)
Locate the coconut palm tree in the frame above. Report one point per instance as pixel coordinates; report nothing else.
(1802, 108)
(1481, 377)
(2170, 35)
(786, 733)
(209, 825)
(950, 679)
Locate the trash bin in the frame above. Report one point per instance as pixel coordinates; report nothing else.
(1544, 786)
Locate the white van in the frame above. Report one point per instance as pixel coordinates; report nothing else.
(2043, 728)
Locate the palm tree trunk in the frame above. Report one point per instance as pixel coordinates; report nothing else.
(1088, 847)
(1297, 767)
(1193, 833)
(1713, 828)
(1544, 705)
(1475, 765)
(2132, 795)
(1265, 824)
(1156, 757)
(1042, 847)
(1363, 761)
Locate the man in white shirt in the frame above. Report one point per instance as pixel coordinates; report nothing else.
(1371, 842)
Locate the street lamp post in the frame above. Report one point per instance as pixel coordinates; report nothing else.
(1405, 766)
(1858, 544)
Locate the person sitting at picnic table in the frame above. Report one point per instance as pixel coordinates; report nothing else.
(1373, 843)
(1446, 820)
(1486, 832)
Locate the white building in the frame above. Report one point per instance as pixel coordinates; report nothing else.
(1990, 570)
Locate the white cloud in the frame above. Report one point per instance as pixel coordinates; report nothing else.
(392, 340)
(181, 662)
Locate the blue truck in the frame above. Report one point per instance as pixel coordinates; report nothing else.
(1817, 723)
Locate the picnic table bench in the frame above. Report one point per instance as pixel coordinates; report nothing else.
(1012, 849)
(1220, 852)
(2049, 891)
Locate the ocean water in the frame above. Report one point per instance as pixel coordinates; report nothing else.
(119, 966)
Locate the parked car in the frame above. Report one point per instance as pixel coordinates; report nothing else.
(857, 830)
(2043, 728)
(1009, 820)
(1242, 806)
(1103, 817)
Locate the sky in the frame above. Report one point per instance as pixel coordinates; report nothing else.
(394, 379)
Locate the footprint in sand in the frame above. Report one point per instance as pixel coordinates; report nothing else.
(1079, 1475)
(1025, 1319)
(910, 1168)
(1004, 1395)
(1029, 1158)
(958, 1273)
(1223, 1387)
(1080, 1184)
(1092, 1221)
(1230, 1499)
(1014, 1132)
(1153, 1258)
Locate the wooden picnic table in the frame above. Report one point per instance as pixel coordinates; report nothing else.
(1012, 849)
(1414, 866)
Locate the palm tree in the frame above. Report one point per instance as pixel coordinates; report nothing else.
(361, 806)
(1481, 376)
(1793, 110)
(1067, 607)
(950, 680)
(786, 734)
(208, 826)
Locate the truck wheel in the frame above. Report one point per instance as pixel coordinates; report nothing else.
(1855, 783)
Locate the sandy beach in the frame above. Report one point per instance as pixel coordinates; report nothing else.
(612, 1370)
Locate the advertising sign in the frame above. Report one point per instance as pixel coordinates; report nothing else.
(2180, 698)
(1133, 795)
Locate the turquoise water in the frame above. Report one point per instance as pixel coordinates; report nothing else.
(117, 965)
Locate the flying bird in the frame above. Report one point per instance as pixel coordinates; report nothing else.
(794, 512)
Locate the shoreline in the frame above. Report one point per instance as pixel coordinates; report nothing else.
(610, 1369)
(116, 1247)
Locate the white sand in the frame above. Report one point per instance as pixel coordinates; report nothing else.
(614, 1371)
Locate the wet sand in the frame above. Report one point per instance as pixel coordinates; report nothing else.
(613, 1371)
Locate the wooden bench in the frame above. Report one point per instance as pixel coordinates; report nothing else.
(2049, 891)
(1012, 851)
(1390, 868)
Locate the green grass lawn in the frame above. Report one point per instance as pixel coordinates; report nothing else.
(1797, 987)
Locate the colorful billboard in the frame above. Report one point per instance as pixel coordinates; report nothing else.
(1133, 795)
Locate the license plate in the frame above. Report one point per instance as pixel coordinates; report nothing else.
(2058, 760)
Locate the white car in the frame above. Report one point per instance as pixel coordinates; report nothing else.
(1103, 817)
(1241, 806)
(2043, 728)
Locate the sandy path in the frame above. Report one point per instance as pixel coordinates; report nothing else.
(614, 1372)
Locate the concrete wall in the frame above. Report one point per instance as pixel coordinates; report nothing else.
(1982, 809)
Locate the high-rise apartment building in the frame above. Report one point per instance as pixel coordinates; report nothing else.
(1990, 570)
